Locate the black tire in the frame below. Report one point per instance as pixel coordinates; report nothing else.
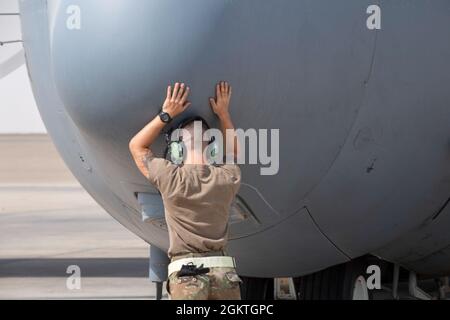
(256, 288)
(334, 283)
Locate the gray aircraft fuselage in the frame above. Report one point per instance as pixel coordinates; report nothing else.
(363, 112)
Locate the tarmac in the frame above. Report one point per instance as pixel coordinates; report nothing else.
(49, 222)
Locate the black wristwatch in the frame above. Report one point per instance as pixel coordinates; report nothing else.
(165, 117)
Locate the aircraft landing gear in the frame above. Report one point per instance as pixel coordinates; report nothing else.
(158, 269)
(342, 282)
(257, 288)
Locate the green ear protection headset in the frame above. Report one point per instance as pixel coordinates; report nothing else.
(175, 148)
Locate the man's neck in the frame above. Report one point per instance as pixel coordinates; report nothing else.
(194, 158)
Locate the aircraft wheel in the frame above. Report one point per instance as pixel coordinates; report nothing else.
(360, 291)
(342, 282)
(257, 288)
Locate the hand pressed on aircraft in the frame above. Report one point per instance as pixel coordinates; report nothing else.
(176, 100)
(222, 101)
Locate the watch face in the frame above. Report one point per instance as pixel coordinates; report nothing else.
(164, 117)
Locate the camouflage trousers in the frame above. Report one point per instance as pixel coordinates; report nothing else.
(219, 283)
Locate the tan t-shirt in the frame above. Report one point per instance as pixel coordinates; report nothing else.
(197, 201)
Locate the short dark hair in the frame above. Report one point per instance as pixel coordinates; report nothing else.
(190, 123)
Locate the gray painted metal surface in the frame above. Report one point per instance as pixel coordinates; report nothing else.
(159, 262)
(363, 114)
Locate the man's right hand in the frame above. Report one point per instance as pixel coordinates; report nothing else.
(221, 103)
(176, 100)
(220, 107)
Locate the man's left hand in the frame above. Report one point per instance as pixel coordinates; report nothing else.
(176, 100)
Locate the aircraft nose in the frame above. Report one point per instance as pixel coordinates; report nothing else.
(111, 65)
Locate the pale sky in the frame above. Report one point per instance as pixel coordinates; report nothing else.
(18, 110)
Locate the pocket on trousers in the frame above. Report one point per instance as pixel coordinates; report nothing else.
(186, 280)
(233, 277)
(189, 288)
(191, 282)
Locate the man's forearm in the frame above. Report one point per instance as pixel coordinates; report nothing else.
(146, 137)
(229, 134)
(174, 104)
(140, 144)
